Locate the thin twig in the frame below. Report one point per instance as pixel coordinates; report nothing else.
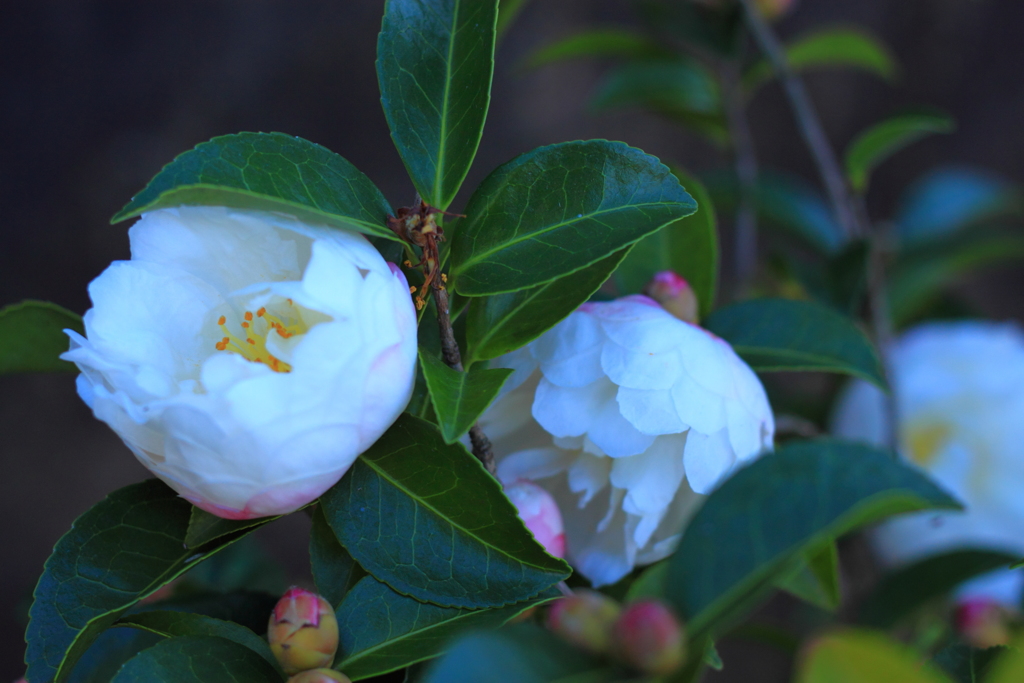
(850, 212)
(745, 161)
(807, 118)
(482, 448)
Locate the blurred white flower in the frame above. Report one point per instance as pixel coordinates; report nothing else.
(246, 358)
(622, 412)
(960, 400)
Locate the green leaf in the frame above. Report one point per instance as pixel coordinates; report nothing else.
(435, 60)
(243, 565)
(950, 199)
(508, 10)
(788, 204)
(689, 247)
(601, 42)
(815, 578)
(32, 337)
(382, 630)
(244, 607)
(782, 334)
(919, 276)
(650, 584)
(558, 209)
(334, 570)
(268, 172)
(523, 653)
(502, 323)
(882, 140)
(204, 527)
(123, 549)
(680, 89)
(460, 398)
(901, 592)
(720, 29)
(198, 659)
(830, 47)
(174, 624)
(427, 519)
(109, 652)
(1009, 666)
(851, 656)
(965, 664)
(830, 488)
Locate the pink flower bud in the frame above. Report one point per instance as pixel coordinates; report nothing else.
(982, 622)
(540, 514)
(303, 632)
(585, 619)
(320, 676)
(675, 295)
(649, 637)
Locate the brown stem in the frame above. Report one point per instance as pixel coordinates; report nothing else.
(807, 118)
(482, 448)
(849, 211)
(745, 161)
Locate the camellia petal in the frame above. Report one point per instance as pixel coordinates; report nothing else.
(246, 358)
(627, 413)
(960, 394)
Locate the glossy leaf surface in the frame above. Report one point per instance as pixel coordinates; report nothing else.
(175, 624)
(688, 247)
(198, 659)
(830, 487)
(505, 322)
(124, 548)
(558, 209)
(882, 140)
(32, 337)
(435, 59)
(427, 519)
(335, 572)
(856, 656)
(269, 172)
(460, 398)
(906, 589)
(524, 653)
(831, 47)
(382, 630)
(783, 334)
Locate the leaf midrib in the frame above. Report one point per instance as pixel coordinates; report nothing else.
(480, 256)
(415, 496)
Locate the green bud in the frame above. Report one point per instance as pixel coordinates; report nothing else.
(303, 631)
(585, 619)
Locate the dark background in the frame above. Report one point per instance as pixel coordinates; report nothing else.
(96, 95)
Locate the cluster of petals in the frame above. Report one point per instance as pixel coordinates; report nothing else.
(246, 358)
(624, 413)
(959, 390)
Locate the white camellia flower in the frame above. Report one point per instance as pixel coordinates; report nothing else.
(246, 358)
(960, 398)
(624, 413)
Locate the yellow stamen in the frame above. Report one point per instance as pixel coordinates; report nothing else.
(254, 348)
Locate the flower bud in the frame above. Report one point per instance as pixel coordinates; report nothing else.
(303, 632)
(320, 676)
(585, 619)
(540, 514)
(649, 637)
(982, 622)
(675, 295)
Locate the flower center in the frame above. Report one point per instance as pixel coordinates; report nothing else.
(252, 344)
(924, 440)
